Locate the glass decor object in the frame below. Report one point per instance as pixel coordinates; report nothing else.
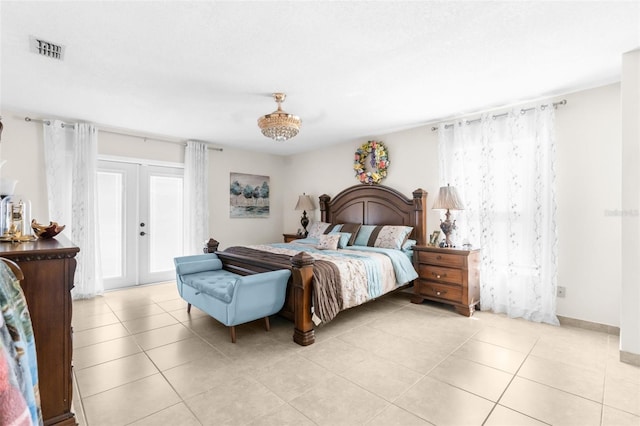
(15, 222)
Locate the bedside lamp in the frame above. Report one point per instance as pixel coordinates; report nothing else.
(448, 199)
(304, 203)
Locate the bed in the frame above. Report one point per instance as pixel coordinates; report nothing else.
(359, 204)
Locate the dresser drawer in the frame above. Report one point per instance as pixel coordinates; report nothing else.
(438, 273)
(452, 260)
(440, 291)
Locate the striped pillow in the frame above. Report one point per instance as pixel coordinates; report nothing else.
(383, 236)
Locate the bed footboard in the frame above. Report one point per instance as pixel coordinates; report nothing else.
(297, 306)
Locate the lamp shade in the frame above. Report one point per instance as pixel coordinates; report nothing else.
(305, 203)
(448, 198)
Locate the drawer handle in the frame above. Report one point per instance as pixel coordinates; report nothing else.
(438, 293)
(438, 275)
(439, 257)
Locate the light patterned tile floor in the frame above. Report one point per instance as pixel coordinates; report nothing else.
(139, 358)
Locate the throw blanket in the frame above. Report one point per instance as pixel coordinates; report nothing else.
(19, 394)
(327, 288)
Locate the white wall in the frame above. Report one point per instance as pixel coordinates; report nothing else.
(413, 164)
(630, 312)
(245, 231)
(588, 173)
(21, 146)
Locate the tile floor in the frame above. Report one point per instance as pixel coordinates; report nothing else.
(140, 359)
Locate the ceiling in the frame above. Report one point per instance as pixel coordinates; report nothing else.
(351, 70)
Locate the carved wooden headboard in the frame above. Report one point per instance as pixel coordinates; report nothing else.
(377, 205)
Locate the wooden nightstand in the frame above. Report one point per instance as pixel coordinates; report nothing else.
(447, 275)
(290, 237)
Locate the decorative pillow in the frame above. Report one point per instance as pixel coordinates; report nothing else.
(392, 237)
(363, 235)
(198, 266)
(328, 242)
(408, 244)
(351, 228)
(317, 228)
(332, 228)
(344, 238)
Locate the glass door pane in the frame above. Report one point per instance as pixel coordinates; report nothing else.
(117, 194)
(110, 205)
(161, 236)
(165, 213)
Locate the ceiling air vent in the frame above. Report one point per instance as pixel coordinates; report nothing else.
(46, 48)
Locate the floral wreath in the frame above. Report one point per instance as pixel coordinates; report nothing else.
(379, 160)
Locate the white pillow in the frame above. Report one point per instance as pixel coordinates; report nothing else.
(392, 237)
(328, 242)
(344, 238)
(316, 229)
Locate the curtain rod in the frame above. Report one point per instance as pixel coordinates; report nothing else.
(522, 111)
(145, 138)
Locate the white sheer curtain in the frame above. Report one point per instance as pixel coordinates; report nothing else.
(71, 155)
(503, 167)
(196, 196)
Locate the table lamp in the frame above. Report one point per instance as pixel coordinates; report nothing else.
(304, 203)
(448, 199)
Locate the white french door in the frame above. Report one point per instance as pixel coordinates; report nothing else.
(141, 220)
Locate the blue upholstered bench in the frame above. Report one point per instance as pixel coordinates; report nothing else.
(230, 298)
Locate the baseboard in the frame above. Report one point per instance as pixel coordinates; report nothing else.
(588, 325)
(630, 358)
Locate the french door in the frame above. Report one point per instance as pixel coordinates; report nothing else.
(141, 220)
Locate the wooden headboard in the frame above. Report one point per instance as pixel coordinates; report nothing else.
(378, 205)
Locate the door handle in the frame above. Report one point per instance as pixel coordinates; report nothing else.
(142, 233)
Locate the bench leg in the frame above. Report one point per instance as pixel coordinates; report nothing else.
(188, 308)
(267, 326)
(232, 329)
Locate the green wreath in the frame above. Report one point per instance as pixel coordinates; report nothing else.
(379, 161)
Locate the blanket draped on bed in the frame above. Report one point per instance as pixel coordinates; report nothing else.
(327, 288)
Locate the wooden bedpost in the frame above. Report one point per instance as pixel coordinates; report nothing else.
(302, 271)
(420, 216)
(324, 208)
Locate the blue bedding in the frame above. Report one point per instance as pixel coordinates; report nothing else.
(400, 261)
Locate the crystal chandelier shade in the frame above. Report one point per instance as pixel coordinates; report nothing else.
(279, 125)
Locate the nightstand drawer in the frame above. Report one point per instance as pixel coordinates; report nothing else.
(440, 291)
(453, 260)
(438, 273)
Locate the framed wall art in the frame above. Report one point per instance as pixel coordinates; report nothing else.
(248, 196)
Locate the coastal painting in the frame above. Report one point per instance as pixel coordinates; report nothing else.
(248, 196)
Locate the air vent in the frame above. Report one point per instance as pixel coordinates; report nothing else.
(46, 48)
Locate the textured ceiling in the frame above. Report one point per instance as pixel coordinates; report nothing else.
(351, 70)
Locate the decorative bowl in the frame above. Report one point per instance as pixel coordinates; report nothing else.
(46, 231)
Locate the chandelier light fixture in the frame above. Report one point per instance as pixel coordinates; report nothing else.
(279, 125)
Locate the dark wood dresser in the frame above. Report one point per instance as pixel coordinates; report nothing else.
(447, 275)
(48, 267)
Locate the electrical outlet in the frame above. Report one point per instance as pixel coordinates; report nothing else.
(562, 291)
